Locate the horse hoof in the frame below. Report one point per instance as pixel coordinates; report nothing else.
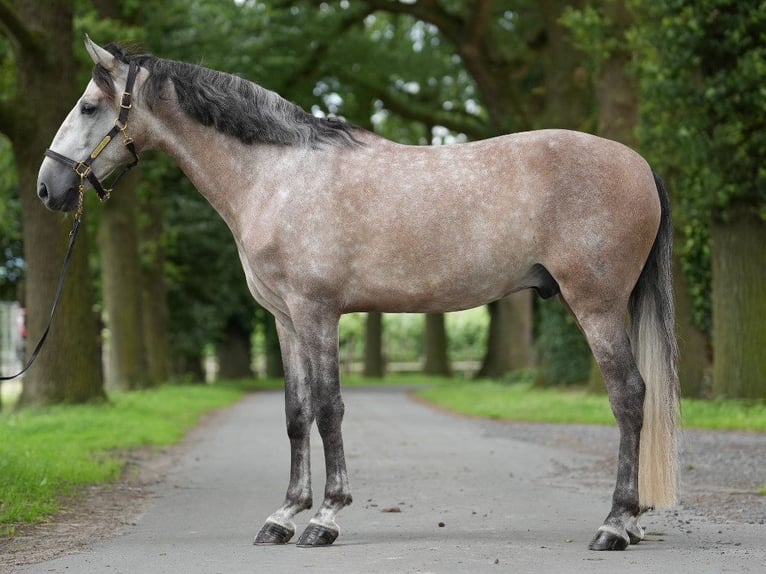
(316, 535)
(273, 533)
(635, 533)
(606, 540)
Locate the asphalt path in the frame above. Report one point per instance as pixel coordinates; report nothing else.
(432, 493)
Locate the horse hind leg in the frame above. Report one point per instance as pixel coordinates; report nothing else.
(611, 347)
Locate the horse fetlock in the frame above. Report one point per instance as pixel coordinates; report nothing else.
(298, 502)
(338, 500)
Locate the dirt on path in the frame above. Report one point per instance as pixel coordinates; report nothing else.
(466, 495)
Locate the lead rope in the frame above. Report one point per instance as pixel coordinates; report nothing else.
(60, 285)
(84, 170)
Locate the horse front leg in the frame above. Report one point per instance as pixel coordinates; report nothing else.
(322, 530)
(299, 411)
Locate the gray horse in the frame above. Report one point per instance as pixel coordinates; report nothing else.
(330, 219)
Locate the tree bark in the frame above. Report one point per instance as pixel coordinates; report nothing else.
(739, 304)
(234, 357)
(509, 343)
(435, 346)
(154, 304)
(693, 346)
(374, 365)
(567, 89)
(69, 368)
(122, 287)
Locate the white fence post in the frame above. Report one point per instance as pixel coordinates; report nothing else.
(11, 337)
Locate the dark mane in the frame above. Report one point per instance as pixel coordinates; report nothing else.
(232, 105)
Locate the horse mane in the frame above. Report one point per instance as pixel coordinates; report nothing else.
(233, 105)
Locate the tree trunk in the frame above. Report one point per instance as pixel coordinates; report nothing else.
(121, 279)
(69, 368)
(190, 368)
(154, 303)
(234, 358)
(509, 343)
(374, 365)
(693, 346)
(567, 89)
(739, 304)
(435, 335)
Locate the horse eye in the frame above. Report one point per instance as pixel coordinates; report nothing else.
(87, 109)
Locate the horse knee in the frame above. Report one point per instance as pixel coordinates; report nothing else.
(298, 423)
(330, 415)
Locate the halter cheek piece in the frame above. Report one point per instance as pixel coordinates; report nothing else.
(83, 168)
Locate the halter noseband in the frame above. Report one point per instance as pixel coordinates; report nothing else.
(83, 168)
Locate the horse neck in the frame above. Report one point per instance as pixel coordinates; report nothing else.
(222, 168)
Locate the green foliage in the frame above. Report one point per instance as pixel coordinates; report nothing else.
(48, 454)
(703, 121)
(11, 261)
(467, 333)
(403, 336)
(565, 357)
(591, 31)
(205, 282)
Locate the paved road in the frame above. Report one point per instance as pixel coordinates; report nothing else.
(471, 500)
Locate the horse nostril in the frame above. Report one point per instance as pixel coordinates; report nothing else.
(42, 191)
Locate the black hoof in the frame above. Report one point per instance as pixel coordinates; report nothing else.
(316, 535)
(635, 537)
(273, 533)
(608, 541)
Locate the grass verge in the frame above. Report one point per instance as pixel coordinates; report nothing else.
(524, 402)
(48, 453)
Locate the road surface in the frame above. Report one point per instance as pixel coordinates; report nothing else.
(432, 493)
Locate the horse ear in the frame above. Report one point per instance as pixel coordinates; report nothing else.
(99, 55)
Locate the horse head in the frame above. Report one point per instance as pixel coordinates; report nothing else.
(80, 155)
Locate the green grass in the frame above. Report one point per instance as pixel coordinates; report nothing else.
(524, 402)
(47, 454)
(519, 402)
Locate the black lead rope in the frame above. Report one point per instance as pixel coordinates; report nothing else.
(85, 171)
(56, 298)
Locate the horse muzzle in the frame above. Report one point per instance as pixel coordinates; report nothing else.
(61, 196)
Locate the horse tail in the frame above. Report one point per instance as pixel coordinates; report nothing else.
(653, 340)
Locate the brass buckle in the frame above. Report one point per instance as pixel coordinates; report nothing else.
(86, 169)
(126, 96)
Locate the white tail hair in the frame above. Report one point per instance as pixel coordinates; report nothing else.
(655, 349)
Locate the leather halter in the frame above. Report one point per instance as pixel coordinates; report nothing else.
(83, 168)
